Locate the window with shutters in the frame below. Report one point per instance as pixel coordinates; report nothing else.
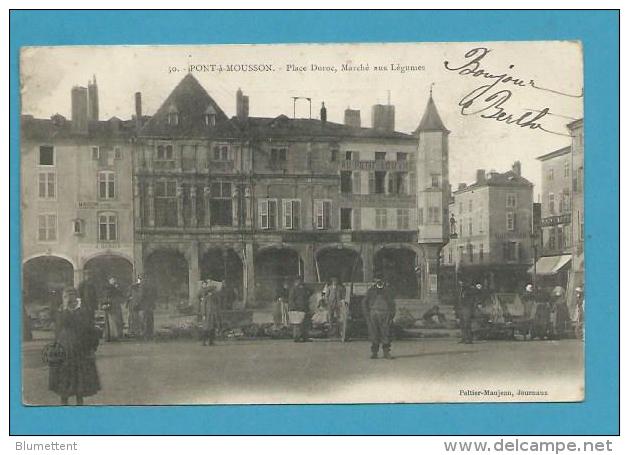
(291, 211)
(356, 182)
(435, 180)
(267, 213)
(47, 184)
(481, 252)
(397, 182)
(107, 227)
(106, 185)
(566, 202)
(403, 218)
(357, 218)
(47, 227)
(420, 216)
(95, 152)
(372, 182)
(346, 218)
(346, 181)
(381, 218)
(117, 153)
(510, 221)
(379, 187)
(412, 183)
(46, 155)
(323, 210)
(470, 252)
(381, 156)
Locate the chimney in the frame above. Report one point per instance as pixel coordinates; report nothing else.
(352, 117)
(383, 117)
(324, 113)
(517, 168)
(138, 110)
(92, 100)
(242, 105)
(79, 109)
(480, 176)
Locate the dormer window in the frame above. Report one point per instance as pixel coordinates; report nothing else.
(209, 116)
(173, 117)
(209, 119)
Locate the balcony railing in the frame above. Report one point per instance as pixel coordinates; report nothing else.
(376, 165)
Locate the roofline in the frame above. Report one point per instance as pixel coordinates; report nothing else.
(475, 186)
(575, 124)
(553, 154)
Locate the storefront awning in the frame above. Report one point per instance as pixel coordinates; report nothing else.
(550, 265)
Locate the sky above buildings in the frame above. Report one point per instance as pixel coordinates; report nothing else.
(373, 73)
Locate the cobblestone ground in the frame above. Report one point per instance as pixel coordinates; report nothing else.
(281, 371)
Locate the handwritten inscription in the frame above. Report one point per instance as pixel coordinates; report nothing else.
(491, 99)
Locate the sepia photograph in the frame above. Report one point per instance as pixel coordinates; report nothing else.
(302, 223)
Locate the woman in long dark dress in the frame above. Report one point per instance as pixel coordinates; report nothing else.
(74, 373)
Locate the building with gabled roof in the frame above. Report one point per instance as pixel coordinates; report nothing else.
(76, 196)
(492, 220)
(254, 201)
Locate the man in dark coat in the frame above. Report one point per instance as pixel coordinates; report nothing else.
(134, 305)
(472, 296)
(379, 310)
(210, 304)
(87, 293)
(147, 309)
(299, 300)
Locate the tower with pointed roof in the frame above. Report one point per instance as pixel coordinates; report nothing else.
(433, 192)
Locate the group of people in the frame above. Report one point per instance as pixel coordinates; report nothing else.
(378, 305)
(546, 310)
(139, 301)
(549, 313)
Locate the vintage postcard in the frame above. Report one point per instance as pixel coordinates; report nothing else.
(338, 223)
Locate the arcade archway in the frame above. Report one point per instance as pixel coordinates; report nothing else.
(397, 267)
(343, 263)
(44, 278)
(167, 271)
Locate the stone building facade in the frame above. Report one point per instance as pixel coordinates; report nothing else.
(254, 201)
(76, 197)
(492, 222)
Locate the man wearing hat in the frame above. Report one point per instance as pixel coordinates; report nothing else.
(379, 310)
(299, 301)
(471, 297)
